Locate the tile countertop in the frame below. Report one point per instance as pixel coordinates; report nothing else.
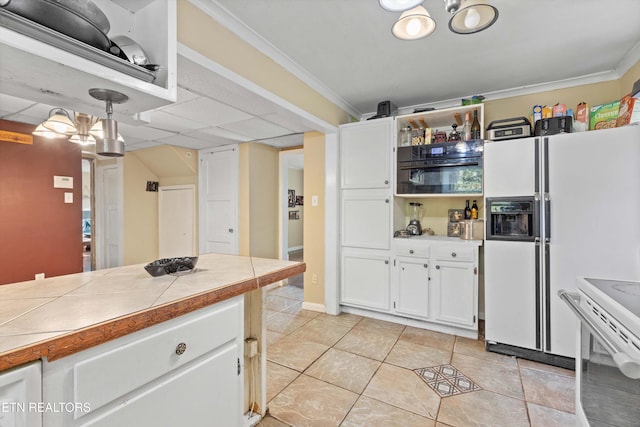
(62, 315)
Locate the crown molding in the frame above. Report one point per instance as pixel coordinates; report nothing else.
(239, 28)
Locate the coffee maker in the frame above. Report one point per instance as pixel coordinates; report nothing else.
(414, 212)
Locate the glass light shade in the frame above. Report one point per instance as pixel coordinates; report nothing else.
(40, 130)
(474, 16)
(414, 24)
(59, 122)
(399, 5)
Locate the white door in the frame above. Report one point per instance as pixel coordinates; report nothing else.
(515, 159)
(109, 231)
(365, 153)
(413, 287)
(218, 199)
(511, 289)
(176, 218)
(365, 281)
(366, 219)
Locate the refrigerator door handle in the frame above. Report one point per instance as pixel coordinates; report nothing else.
(547, 218)
(536, 218)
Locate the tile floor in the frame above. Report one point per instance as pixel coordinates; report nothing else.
(352, 371)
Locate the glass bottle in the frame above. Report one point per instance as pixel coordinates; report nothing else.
(466, 128)
(405, 137)
(475, 126)
(454, 135)
(474, 210)
(467, 211)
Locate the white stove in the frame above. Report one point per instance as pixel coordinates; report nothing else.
(608, 362)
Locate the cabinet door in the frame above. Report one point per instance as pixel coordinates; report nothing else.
(366, 219)
(205, 393)
(366, 154)
(365, 281)
(454, 292)
(412, 296)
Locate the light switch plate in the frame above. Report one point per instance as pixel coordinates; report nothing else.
(314, 200)
(68, 197)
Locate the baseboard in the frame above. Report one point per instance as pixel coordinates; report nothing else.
(312, 306)
(295, 248)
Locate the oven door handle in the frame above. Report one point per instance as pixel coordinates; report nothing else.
(628, 366)
(447, 165)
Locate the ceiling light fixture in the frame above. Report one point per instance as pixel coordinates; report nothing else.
(399, 5)
(414, 24)
(474, 16)
(469, 16)
(85, 129)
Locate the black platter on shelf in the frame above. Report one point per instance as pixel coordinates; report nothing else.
(175, 266)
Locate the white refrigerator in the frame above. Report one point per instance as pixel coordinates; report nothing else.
(587, 188)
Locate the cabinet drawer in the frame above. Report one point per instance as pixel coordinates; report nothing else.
(143, 357)
(454, 253)
(412, 249)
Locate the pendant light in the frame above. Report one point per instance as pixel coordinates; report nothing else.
(414, 24)
(47, 133)
(474, 16)
(399, 5)
(109, 142)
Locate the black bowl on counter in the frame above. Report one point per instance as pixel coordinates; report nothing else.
(178, 265)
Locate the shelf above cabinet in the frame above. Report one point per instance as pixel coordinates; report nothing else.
(46, 66)
(442, 119)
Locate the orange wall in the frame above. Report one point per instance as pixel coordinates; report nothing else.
(39, 233)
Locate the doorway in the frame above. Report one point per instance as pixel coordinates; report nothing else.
(177, 221)
(292, 202)
(88, 203)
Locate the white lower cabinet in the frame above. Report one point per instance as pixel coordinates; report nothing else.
(185, 371)
(454, 295)
(21, 396)
(412, 290)
(365, 280)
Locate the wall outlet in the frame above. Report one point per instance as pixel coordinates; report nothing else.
(314, 279)
(39, 276)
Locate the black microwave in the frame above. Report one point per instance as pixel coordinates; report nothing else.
(445, 168)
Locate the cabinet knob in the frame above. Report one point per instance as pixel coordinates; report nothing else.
(231, 230)
(386, 261)
(181, 348)
(386, 181)
(437, 267)
(386, 200)
(425, 266)
(453, 254)
(410, 251)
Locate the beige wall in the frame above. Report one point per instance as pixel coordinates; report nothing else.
(592, 94)
(295, 229)
(140, 212)
(166, 164)
(203, 34)
(258, 200)
(314, 224)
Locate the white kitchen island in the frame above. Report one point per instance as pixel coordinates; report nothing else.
(119, 347)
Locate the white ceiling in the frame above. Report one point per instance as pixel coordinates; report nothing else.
(345, 50)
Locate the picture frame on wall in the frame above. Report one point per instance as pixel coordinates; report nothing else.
(294, 214)
(299, 200)
(292, 198)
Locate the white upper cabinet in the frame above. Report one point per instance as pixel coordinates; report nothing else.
(366, 154)
(46, 66)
